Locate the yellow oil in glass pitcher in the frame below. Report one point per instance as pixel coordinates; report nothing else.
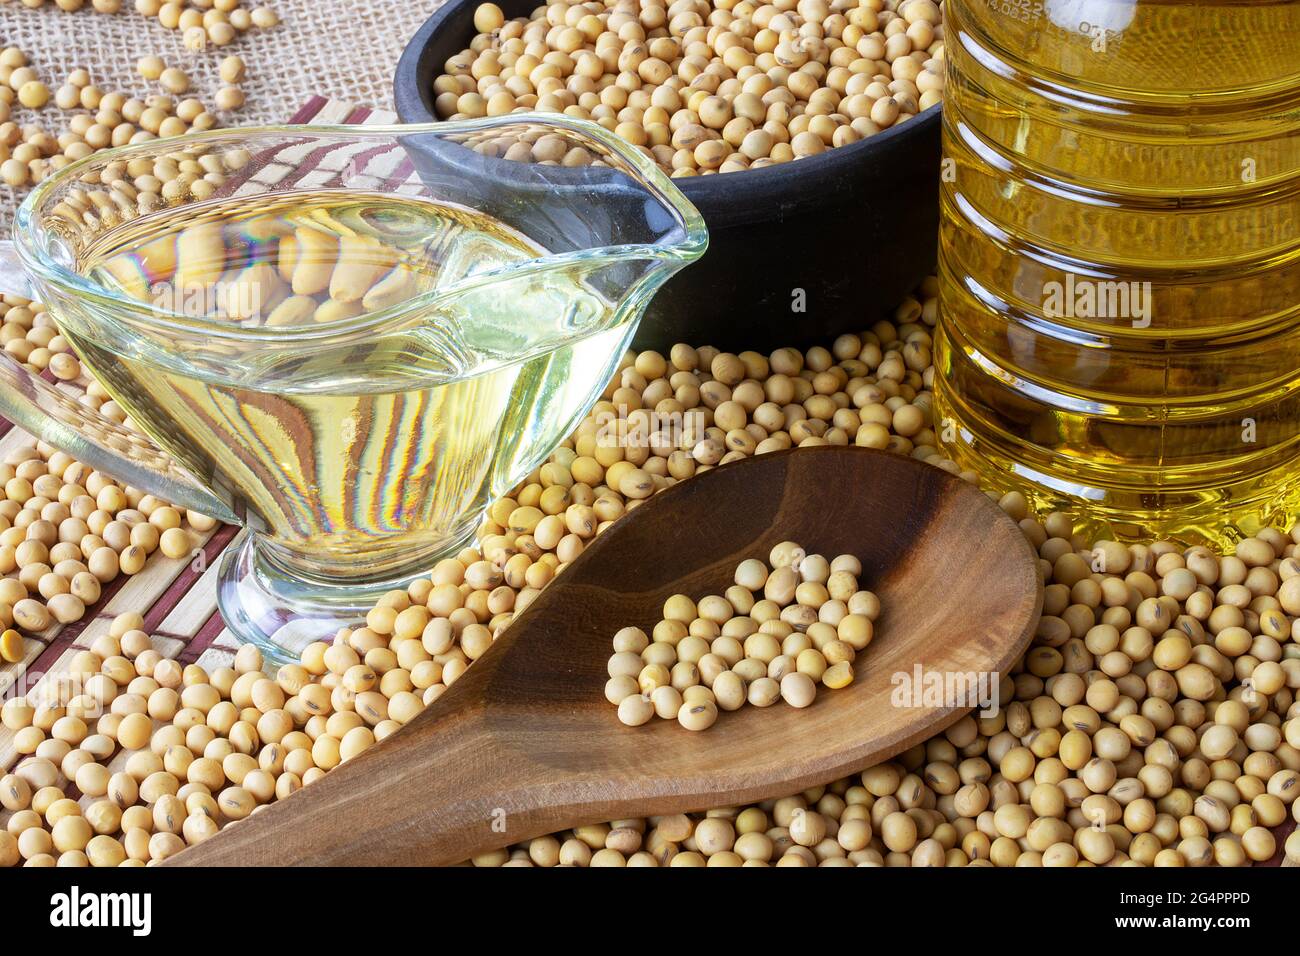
(347, 339)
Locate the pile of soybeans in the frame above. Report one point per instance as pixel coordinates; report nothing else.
(702, 86)
(1152, 722)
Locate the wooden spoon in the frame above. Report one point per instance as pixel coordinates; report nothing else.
(525, 742)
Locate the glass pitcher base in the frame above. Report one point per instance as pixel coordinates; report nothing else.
(280, 614)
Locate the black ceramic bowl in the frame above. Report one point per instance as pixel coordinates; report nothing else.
(846, 234)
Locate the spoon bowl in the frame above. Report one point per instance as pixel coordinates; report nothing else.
(525, 742)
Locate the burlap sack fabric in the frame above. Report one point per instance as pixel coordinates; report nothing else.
(343, 49)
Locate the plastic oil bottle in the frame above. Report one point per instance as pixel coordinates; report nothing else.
(1120, 259)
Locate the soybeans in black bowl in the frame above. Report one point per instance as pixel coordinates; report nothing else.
(807, 134)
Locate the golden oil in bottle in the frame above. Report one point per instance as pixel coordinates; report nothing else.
(1120, 259)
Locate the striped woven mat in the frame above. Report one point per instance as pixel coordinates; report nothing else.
(178, 597)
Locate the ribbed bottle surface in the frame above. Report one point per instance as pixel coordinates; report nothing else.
(1120, 259)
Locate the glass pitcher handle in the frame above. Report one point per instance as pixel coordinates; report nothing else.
(39, 408)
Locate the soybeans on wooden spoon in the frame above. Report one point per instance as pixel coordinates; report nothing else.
(525, 742)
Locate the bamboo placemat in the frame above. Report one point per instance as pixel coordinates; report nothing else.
(178, 597)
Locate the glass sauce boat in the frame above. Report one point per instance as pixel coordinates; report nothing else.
(348, 340)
